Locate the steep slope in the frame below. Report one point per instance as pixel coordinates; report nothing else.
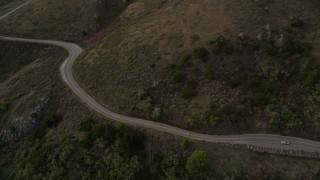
(6, 6)
(65, 20)
(69, 141)
(218, 67)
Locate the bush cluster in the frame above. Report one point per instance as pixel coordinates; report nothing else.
(189, 90)
(4, 106)
(218, 44)
(201, 53)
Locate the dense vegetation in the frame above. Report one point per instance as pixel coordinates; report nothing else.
(101, 150)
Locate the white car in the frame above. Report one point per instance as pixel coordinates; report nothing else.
(285, 142)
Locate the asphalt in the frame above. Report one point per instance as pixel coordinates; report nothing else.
(66, 71)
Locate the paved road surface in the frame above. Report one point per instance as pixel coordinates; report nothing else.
(265, 140)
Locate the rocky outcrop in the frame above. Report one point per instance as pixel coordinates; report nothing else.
(22, 126)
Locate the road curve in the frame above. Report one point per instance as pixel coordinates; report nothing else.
(264, 140)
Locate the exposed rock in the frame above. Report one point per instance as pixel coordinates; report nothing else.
(280, 41)
(22, 126)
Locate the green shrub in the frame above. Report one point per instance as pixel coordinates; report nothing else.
(254, 46)
(253, 81)
(145, 105)
(201, 53)
(272, 51)
(291, 119)
(84, 33)
(178, 77)
(192, 122)
(234, 117)
(87, 141)
(173, 66)
(232, 113)
(227, 109)
(192, 84)
(188, 93)
(285, 119)
(105, 131)
(312, 78)
(275, 121)
(289, 49)
(163, 116)
(53, 120)
(131, 141)
(38, 134)
(186, 61)
(153, 65)
(234, 82)
(213, 106)
(190, 90)
(213, 120)
(244, 39)
(303, 48)
(266, 87)
(4, 106)
(67, 150)
(288, 29)
(156, 114)
(184, 144)
(86, 125)
(259, 99)
(2, 144)
(218, 45)
(198, 164)
(296, 22)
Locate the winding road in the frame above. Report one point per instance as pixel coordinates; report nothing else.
(264, 140)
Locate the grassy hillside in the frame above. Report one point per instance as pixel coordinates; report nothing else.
(67, 140)
(151, 65)
(7, 5)
(219, 67)
(12, 60)
(70, 20)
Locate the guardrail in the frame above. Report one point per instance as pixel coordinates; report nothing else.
(287, 152)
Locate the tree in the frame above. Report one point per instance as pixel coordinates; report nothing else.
(198, 163)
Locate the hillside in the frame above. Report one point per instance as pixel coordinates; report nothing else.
(219, 67)
(71, 20)
(163, 61)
